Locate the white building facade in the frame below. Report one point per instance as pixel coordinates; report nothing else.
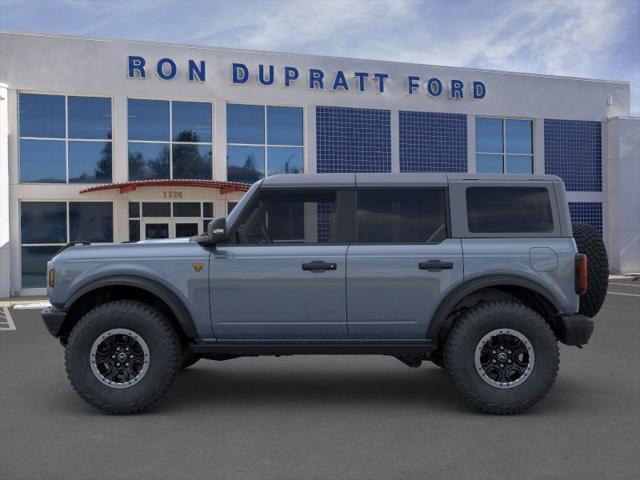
(113, 141)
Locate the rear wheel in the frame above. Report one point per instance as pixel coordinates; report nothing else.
(122, 356)
(589, 242)
(502, 357)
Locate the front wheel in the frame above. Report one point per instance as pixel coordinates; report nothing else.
(502, 357)
(122, 356)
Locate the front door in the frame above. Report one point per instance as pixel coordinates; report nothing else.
(401, 263)
(159, 228)
(283, 277)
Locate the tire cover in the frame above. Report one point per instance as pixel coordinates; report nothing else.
(589, 242)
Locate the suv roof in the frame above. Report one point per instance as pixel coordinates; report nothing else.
(390, 179)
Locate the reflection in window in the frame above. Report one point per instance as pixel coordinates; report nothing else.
(251, 153)
(148, 161)
(45, 160)
(91, 221)
(245, 164)
(504, 145)
(43, 222)
(90, 162)
(34, 265)
(185, 153)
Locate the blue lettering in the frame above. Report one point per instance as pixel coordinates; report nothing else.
(236, 77)
(456, 90)
(172, 68)
(195, 71)
(380, 77)
(290, 74)
(316, 77)
(136, 64)
(479, 90)
(412, 84)
(340, 81)
(433, 87)
(362, 77)
(261, 78)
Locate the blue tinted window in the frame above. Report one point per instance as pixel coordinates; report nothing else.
(489, 164)
(89, 117)
(192, 161)
(89, 162)
(134, 210)
(148, 160)
(285, 160)
(284, 126)
(134, 230)
(489, 135)
(230, 207)
(34, 265)
(148, 119)
(191, 121)
(41, 115)
(519, 136)
(519, 164)
(91, 221)
(207, 210)
(245, 164)
(43, 222)
(245, 124)
(42, 161)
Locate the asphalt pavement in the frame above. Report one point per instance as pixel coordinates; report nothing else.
(325, 417)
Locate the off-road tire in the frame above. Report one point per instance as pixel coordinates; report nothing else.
(437, 359)
(589, 242)
(165, 356)
(464, 337)
(188, 358)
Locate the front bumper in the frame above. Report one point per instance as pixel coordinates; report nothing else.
(574, 329)
(54, 320)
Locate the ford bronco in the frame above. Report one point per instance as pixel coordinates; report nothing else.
(482, 275)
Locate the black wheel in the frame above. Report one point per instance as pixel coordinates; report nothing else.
(188, 358)
(502, 357)
(122, 356)
(590, 243)
(437, 359)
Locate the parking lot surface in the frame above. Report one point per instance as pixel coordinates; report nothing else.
(324, 417)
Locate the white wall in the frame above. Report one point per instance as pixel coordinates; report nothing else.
(5, 251)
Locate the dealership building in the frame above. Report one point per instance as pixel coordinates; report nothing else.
(115, 141)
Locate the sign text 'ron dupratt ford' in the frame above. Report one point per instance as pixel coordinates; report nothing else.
(313, 78)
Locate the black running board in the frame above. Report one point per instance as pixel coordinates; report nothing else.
(313, 348)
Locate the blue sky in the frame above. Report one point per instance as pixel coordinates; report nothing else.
(583, 38)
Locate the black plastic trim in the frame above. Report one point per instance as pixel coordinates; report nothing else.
(176, 306)
(575, 329)
(438, 324)
(53, 319)
(310, 348)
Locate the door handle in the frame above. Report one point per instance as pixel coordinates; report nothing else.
(319, 266)
(435, 265)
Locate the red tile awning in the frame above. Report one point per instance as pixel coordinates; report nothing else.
(224, 187)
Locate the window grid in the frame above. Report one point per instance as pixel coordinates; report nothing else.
(139, 217)
(265, 146)
(504, 154)
(66, 138)
(573, 151)
(353, 140)
(587, 212)
(170, 142)
(432, 142)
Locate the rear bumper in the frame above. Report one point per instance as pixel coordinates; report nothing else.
(574, 329)
(54, 320)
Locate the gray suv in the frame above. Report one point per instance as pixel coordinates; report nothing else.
(481, 275)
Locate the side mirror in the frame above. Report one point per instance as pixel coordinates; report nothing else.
(217, 230)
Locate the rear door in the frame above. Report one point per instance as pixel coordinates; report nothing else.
(401, 263)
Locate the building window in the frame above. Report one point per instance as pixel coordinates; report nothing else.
(48, 226)
(504, 145)
(65, 139)
(263, 141)
(170, 139)
(152, 220)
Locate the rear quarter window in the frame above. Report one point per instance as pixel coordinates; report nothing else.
(509, 210)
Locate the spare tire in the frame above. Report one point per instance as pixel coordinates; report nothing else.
(589, 242)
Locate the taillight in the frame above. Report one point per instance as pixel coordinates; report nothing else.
(581, 274)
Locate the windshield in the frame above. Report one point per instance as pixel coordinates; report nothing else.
(231, 218)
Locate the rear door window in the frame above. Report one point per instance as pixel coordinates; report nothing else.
(509, 210)
(413, 215)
